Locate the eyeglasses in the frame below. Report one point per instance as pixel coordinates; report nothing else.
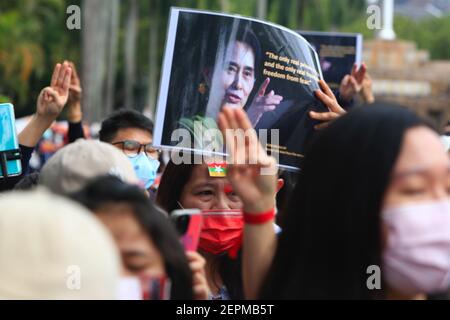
(132, 148)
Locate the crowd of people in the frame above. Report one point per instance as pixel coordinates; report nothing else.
(96, 221)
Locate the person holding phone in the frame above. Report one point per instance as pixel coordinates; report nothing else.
(147, 242)
(187, 186)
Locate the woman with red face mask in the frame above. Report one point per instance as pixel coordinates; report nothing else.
(207, 188)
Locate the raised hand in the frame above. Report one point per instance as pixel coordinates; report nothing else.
(52, 99)
(50, 103)
(251, 171)
(263, 103)
(75, 85)
(366, 90)
(74, 112)
(352, 83)
(329, 100)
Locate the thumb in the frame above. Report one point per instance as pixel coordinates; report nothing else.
(354, 83)
(51, 93)
(354, 69)
(345, 80)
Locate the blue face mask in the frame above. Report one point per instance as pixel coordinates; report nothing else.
(145, 168)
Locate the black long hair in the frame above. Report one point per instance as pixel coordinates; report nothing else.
(109, 189)
(332, 231)
(174, 178)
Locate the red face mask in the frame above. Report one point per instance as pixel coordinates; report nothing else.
(221, 231)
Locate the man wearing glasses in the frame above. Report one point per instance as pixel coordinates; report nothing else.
(132, 132)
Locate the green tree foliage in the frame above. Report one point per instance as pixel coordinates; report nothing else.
(429, 34)
(33, 36)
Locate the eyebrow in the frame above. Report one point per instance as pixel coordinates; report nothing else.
(415, 171)
(134, 253)
(235, 64)
(202, 185)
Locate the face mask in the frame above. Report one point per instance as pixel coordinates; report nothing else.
(129, 288)
(144, 288)
(145, 169)
(221, 231)
(416, 259)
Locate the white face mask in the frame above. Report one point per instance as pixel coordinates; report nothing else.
(129, 288)
(155, 288)
(416, 259)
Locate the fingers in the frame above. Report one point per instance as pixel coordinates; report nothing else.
(225, 126)
(321, 125)
(353, 83)
(269, 108)
(43, 95)
(330, 101)
(55, 75)
(272, 98)
(361, 73)
(193, 256)
(50, 94)
(66, 79)
(62, 72)
(344, 82)
(75, 88)
(197, 265)
(263, 88)
(237, 135)
(241, 139)
(354, 70)
(326, 89)
(60, 77)
(242, 120)
(201, 292)
(323, 116)
(325, 99)
(256, 153)
(75, 79)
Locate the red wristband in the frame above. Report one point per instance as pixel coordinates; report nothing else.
(259, 218)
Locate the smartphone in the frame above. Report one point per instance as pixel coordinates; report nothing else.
(9, 144)
(188, 223)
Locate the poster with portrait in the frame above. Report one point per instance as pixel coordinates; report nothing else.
(214, 60)
(337, 53)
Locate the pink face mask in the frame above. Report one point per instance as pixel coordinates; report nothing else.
(416, 258)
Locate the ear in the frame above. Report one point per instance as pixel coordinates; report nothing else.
(280, 184)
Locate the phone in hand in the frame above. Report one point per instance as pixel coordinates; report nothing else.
(188, 223)
(9, 142)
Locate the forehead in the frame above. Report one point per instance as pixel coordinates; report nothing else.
(121, 222)
(241, 52)
(200, 176)
(142, 136)
(421, 149)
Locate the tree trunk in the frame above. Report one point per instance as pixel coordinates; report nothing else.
(95, 21)
(300, 14)
(224, 5)
(261, 9)
(112, 56)
(153, 58)
(130, 53)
